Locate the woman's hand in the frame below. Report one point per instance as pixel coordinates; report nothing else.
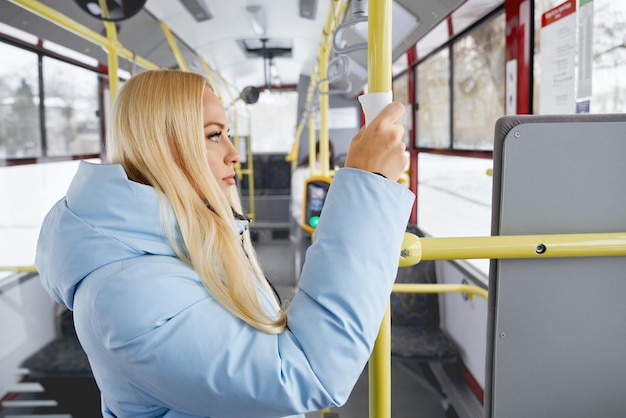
(378, 147)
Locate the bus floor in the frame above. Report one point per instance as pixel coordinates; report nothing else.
(409, 399)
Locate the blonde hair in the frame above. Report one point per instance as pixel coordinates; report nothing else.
(157, 137)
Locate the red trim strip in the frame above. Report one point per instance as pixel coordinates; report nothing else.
(474, 385)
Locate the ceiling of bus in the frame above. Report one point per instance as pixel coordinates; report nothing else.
(217, 39)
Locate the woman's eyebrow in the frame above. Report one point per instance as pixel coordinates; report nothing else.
(219, 125)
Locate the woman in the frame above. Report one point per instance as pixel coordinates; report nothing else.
(169, 302)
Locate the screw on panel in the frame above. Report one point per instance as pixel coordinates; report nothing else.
(503, 335)
(517, 134)
(540, 249)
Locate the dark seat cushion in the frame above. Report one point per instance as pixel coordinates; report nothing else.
(63, 357)
(422, 344)
(416, 309)
(415, 331)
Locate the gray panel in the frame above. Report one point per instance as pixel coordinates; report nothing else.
(557, 326)
(428, 14)
(564, 178)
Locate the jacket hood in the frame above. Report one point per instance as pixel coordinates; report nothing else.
(104, 218)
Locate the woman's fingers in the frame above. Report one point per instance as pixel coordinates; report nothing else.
(390, 113)
(379, 147)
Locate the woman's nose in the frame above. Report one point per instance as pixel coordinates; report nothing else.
(232, 156)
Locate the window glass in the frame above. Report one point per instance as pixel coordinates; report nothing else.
(478, 93)
(71, 102)
(27, 193)
(273, 121)
(609, 52)
(20, 135)
(608, 55)
(401, 94)
(400, 65)
(455, 198)
(433, 101)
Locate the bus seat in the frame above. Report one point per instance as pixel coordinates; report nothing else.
(415, 331)
(277, 175)
(257, 168)
(63, 356)
(62, 369)
(417, 341)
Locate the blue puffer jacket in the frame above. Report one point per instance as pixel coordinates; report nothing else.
(160, 346)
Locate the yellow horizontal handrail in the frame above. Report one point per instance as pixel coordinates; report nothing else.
(19, 269)
(512, 246)
(82, 30)
(415, 249)
(439, 288)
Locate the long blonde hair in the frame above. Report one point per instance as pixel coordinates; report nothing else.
(157, 137)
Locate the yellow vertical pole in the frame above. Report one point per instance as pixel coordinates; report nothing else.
(324, 105)
(379, 46)
(323, 59)
(113, 60)
(73, 26)
(293, 154)
(250, 170)
(112, 50)
(335, 14)
(312, 140)
(379, 81)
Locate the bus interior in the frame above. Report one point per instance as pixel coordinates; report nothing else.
(514, 124)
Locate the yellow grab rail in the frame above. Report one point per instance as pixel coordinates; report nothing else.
(379, 81)
(174, 47)
(319, 74)
(109, 42)
(19, 269)
(380, 380)
(415, 248)
(439, 288)
(60, 19)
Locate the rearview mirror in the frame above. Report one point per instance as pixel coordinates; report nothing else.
(117, 9)
(250, 95)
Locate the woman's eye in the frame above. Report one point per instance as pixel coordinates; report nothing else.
(215, 137)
